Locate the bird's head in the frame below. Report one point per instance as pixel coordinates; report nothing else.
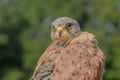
(63, 29)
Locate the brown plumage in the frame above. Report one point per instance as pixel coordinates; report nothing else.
(70, 57)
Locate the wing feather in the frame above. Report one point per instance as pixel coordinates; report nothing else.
(52, 49)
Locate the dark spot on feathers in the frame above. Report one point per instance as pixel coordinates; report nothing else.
(95, 52)
(61, 57)
(77, 42)
(89, 65)
(79, 68)
(57, 52)
(72, 62)
(72, 48)
(67, 51)
(85, 62)
(73, 74)
(80, 46)
(57, 70)
(77, 73)
(80, 55)
(49, 79)
(87, 55)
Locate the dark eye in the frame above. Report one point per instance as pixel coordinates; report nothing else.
(68, 25)
(53, 27)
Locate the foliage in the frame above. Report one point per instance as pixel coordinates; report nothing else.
(25, 32)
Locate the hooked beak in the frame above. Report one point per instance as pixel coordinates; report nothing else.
(59, 33)
(59, 30)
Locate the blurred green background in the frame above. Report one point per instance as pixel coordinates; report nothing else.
(25, 32)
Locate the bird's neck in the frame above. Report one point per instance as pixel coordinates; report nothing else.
(63, 43)
(65, 40)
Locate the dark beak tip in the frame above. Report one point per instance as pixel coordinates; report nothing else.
(60, 32)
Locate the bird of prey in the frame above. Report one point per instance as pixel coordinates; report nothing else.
(72, 55)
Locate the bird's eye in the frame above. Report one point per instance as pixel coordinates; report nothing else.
(68, 26)
(53, 27)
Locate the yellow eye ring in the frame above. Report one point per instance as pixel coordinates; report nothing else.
(68, 26)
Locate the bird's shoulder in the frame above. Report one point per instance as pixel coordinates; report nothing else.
(52, 49)
(45, 58)
(84, 37)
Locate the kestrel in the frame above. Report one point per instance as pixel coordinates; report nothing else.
(72, 55)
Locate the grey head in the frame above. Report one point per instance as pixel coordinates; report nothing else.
(71, 25)
(66, 22)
